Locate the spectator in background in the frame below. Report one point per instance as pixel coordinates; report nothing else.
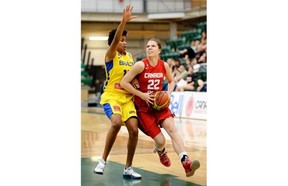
(179, 78)
(202, 86)
(202, 58)
(203, 38)
(190, 78)
(194, 45)
(187, 51)
(174, 68)
(182, 73)
(202, 47)
(188, 62)
(170, 62)
(177, 62)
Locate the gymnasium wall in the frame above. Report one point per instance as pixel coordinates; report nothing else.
(140, 6)
(99, 17)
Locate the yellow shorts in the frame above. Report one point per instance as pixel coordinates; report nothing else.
(118, 103)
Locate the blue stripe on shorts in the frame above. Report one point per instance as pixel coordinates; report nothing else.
(108, 110)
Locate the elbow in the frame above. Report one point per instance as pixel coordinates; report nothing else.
(122, 84)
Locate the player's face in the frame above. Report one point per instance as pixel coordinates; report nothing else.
(152, 49)
(122, 44)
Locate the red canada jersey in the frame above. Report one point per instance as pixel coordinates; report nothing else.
(150, 79)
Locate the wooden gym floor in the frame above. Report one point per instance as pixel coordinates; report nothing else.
(94, 127)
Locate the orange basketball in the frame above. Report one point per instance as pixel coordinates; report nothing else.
(161, 100)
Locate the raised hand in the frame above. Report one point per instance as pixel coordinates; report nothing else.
(127, 16)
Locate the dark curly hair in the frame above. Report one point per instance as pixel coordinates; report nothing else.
(112, 34)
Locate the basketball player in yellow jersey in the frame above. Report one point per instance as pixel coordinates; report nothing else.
(116, 101)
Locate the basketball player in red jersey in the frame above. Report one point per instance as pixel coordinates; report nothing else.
(150, 73)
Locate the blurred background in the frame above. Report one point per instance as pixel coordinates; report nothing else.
(179, 24)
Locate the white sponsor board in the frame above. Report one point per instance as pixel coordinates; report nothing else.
(176, 102)
(189, 104)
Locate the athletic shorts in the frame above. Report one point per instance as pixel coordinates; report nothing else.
(150, 122)
(118, 103)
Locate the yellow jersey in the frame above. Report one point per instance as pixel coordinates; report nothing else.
(115, 71)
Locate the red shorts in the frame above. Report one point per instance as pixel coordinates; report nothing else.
(151, 120)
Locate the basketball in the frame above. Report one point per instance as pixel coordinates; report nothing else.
(161, 100)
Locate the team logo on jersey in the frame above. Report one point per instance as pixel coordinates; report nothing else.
(146, 67)
(153, 75)
(125, 63)
(116, 108)
(132, 112)
(118, 86)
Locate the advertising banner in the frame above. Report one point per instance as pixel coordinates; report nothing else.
(189, 104)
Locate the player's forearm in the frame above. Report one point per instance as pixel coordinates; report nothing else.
(128, 87)
(171, 86)
(119, 31)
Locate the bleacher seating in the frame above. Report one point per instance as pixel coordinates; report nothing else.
(182, 47)
(171, 50)
(85, 79)
(138, 58)
(169, 55)
(202, 26)
(166, 49)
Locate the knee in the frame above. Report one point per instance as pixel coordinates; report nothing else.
(116, 124)
(132, 126)
(160, 140)
(133, 129)
(171, 130)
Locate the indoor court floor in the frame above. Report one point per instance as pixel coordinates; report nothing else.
(94, 127)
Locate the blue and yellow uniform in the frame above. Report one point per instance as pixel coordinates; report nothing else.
(115, 99)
